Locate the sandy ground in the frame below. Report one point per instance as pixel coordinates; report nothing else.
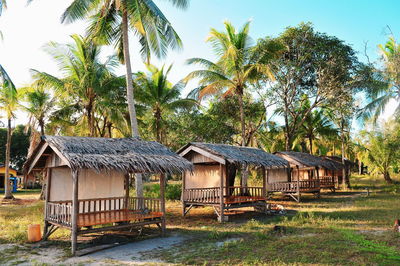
(136, 253)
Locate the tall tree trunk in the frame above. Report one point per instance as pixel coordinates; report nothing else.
(109, 127)
(129, 93)
(345, 178)
(242, 121)
(157, 116)
(386, 176)
(41, 125)
(7, 185)
(245, 172)
(311, 143)
(360, 167)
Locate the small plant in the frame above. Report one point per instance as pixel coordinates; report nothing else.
(172, 191)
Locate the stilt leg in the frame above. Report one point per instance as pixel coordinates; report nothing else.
(183, 209)
(45, 230)
(74, 240)
(163, 227)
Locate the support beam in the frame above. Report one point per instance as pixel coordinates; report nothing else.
(221, 198)
(264, 182)
(298, 184)
(183, 193)
(162, 196)
(75, 210)
(126, 200)
(47, 199)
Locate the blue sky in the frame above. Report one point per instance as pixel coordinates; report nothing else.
(27, 28)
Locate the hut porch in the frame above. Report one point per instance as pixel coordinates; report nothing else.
(133, 211)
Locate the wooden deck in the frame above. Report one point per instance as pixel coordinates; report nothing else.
(91, 219)
(232, 198)
(242, 199)
(305, 186)
(232, 195)
(94, 212)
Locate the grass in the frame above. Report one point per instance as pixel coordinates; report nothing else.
(16, 215)
(344, 228)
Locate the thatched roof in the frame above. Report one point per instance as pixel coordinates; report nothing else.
(237, 155)
(123, 154)
(303, 159)
(338, 159)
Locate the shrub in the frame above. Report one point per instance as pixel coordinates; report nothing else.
(172, 191)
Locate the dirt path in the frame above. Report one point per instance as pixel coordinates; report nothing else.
(128, 254)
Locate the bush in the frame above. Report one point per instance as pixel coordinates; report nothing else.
(172, 191)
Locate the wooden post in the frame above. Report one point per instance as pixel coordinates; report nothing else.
(298, 184)
(319, 181)
(126, 176)
(227, 180)
(221, 197)
(267, 182)
(264, 182)
(183, 193)
(47, 199)
(75, 210)
(162, 198)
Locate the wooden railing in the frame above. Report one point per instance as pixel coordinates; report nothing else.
(294, 186)
(282, 187)
(144, 204)
(59, 213)
(246, 191)
(202, 195)
(212, 195)
(327, 181)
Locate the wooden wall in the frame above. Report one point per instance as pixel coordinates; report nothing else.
(277, 175)
(203, 176)
(91, 184)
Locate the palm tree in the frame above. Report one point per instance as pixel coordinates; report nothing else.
(85, 78)
(234, 70)
(39, 104)
(8, 104)
(315, 126)
(386, 83)
(155, 92)
(110, 23)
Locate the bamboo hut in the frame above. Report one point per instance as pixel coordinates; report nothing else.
(87, 183)
(215, 167)
(304, 175)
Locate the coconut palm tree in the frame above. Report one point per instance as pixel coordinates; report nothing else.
(85, 78)
(110, 21)
(158, 95)
(8, 105)
(234, 70)
(386, 83)
(39, 104)
(317, 126)
(232, 73)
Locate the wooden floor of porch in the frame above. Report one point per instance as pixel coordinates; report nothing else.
(99, 218)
